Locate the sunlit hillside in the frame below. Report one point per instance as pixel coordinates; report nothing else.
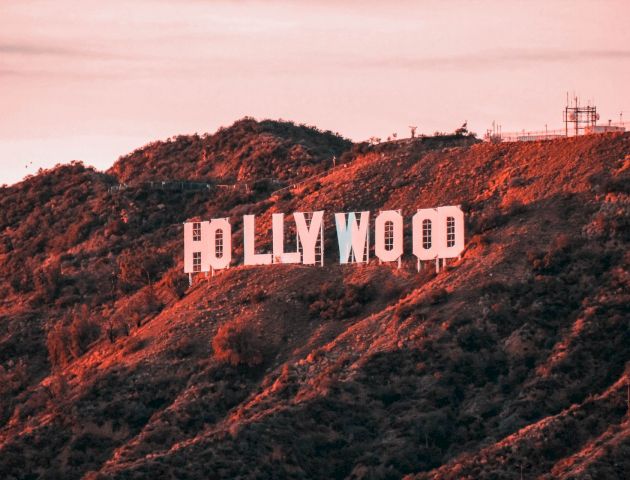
(512, 361)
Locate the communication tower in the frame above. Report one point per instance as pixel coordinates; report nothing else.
(577, 118)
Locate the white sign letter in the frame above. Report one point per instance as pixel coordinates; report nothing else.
(353, 238)
(308, 235)
(438, 233)
(388, 244)
(279, 255)
(452, 224)
(196, 247)
(220, 235)
(249, 234)
(427, 237)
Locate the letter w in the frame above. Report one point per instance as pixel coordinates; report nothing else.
(353, 238)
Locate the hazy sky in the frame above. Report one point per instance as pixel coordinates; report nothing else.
(93, 80)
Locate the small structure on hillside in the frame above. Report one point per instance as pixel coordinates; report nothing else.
(604, 129)
(535, 137)
(578, 120)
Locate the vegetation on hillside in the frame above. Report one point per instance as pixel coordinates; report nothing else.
(246, 151)
(514, 359)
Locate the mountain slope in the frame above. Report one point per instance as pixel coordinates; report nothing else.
(247, 150)
(513, 359)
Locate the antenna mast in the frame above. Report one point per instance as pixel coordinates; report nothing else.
(578, 118)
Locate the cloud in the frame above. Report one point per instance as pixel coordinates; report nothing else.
(37, 50)
(41, 60)
(492, 59)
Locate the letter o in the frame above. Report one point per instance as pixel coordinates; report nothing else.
(220, 225)
(396, 250)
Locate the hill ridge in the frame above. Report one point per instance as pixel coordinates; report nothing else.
(111, 367)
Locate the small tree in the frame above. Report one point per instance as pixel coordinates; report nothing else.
(135, 271)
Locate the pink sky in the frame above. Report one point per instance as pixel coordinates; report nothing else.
(94, 80)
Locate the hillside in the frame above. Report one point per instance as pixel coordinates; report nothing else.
(513, 361)
(247, 150)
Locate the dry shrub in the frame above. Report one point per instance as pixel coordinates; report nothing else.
(118, 325)
(185, 347)
(337, 302)
(58, 349)
(239, 343)
(176, 283)
(556, 258)
(83, 331)
(48, 282)
(439, 295)
(136, 271)
(139, 308)
(12, 378)
(72, 336)
(135, 344)
(404, 310)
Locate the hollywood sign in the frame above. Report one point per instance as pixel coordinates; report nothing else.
(438, 234)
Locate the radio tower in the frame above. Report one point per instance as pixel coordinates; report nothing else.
(578, 117)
